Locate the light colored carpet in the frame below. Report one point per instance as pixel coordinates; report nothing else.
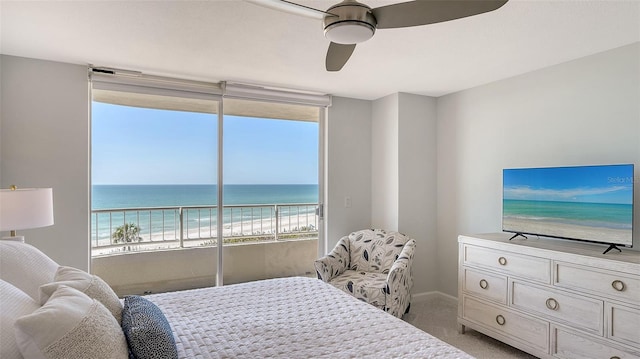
(437, 315)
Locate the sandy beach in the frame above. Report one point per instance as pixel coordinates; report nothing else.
(264, 226)
(196, 235)
(600, 234)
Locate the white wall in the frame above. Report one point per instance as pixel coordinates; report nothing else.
(582, 112)
(349, 168)
(384, 163)
(403, 176)
(44, 142)
(417, 156)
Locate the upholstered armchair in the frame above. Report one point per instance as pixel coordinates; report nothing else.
(374, 266)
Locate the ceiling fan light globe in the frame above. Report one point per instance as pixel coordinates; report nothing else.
(349, 32)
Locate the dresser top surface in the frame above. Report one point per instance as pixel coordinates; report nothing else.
(533, 243)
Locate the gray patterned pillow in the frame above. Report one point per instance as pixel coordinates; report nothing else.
(147, 330)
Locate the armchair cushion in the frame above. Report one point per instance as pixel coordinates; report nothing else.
(367, 286)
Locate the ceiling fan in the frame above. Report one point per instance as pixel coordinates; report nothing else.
(351, 22)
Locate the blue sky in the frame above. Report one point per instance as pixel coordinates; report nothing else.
(143, 146)
(597, 184)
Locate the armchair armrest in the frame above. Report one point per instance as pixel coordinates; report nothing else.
(400, 279)
(334, 263)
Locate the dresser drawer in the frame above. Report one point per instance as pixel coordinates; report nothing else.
(531, 331)
(528, 267)
(485, 285)
(612, 284)
(567, 308)
(623, 324)
(569, 345)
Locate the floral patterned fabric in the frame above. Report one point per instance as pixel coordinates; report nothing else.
(334, 263)
(374, 266)
(366, 286)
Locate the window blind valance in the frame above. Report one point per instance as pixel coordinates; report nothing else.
(135, 82)
(109, 79)
(271, 94)
(131, 88)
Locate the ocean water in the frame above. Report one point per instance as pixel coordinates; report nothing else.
(119, 203)
(604, 215)
(137, 196)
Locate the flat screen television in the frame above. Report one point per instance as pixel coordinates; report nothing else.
(586, 203)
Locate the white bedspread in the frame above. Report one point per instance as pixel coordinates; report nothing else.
(290, 318)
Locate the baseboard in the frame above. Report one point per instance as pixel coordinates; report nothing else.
(421, 297)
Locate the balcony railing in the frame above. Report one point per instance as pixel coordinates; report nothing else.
(189, 226)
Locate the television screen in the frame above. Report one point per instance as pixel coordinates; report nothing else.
(590, 203)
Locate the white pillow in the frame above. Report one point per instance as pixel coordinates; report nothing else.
(91, 285)
(70, 325)
(14, 304)
(25, 266)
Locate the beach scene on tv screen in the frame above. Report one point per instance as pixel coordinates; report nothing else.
(592, 203)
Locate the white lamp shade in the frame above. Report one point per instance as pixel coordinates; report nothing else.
(25, 208)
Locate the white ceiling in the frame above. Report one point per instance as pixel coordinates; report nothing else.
(239, 41)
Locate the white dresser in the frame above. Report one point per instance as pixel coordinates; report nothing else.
(550, 298)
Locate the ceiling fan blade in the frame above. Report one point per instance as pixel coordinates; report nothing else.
(423, 12)
(291, 7)
(337, 55)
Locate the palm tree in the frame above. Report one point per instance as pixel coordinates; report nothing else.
(127, 233)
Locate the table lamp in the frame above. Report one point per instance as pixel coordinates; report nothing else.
(25, 208)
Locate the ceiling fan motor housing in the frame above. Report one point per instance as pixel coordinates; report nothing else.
(350, 22)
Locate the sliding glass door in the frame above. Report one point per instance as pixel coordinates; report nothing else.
(154, 173)
(171, 173)
(271, 185)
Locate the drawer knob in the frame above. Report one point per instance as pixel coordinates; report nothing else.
(552, 304)
(615, 357)
(618, 285)
(502, 261)
(500, 319)
(484, 284)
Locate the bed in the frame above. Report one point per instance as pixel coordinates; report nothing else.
(295, 317)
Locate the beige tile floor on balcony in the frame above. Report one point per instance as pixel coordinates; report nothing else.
(437, 316)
